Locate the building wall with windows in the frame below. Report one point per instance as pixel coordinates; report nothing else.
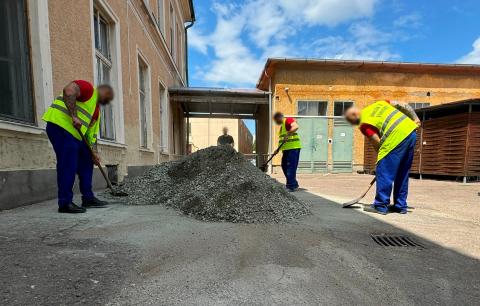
(137, 46)
(323, 88)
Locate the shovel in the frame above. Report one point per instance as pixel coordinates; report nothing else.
(355, 201)
(264, 167)
(109, 184)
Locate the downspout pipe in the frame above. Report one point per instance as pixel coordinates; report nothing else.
(270, 127)
(192, 14)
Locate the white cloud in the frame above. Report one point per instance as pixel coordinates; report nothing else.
(198, 41)
(474, 56)
(364, 43)
(413, 20)
(245, 35)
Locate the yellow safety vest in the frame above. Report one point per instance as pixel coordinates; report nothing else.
(393, 125)
(293, 142)
(58, 114)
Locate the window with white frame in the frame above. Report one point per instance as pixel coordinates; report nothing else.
(143, 88)
(173, 34)
(16, 94)
(161, 16)
(179, 47)
(163, 119)
(102, 35)
(312, 108)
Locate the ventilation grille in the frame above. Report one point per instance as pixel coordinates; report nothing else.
(385, 240)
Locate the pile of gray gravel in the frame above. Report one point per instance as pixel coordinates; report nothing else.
(215, 184)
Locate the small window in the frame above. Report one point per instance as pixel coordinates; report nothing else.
(16, 98)
(142, 92)
(161, 16)
(102, 30)
(173, 34)
(340, 107)
(312, 108)
(163, 119)
(417, 105)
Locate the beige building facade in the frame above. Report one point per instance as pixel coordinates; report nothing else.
(137, 46)
(204, 133)
(316, 92)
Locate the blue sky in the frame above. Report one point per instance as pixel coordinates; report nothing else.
(231, 40)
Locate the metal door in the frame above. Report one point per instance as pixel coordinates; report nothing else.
(313, 134)
(342, 149)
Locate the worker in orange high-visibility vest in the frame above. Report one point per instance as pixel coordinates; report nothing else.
(391, 128)
(76, 111)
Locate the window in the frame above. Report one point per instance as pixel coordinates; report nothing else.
(163, 119)
(416, 105)
(16, 99)
(143, 100)
(172, 33)
(104, 70)
(312, 108)
(340, 107)
(161, 16)
(179, 46)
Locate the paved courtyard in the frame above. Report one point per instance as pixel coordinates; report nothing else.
(149, 255)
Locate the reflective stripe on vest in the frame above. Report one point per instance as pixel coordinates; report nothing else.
(393, 126)
(60, 98)
(65, 110)
(59, 114)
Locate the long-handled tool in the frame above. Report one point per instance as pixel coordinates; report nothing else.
(355, 201)
(109, 184)
(265, 165)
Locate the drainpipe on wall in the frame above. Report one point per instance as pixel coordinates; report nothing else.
(192, 16)
(270, 109)
(186, 51)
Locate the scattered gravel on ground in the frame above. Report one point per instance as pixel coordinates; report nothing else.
(215, 184)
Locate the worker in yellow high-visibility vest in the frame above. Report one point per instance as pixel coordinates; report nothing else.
(391, 128)
(76, 111)
(290, 144)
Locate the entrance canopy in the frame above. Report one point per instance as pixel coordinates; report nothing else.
(219, 102)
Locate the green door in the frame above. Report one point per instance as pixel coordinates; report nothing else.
(342, 149)
(313, 134)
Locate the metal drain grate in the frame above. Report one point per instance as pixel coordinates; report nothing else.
(387, 240)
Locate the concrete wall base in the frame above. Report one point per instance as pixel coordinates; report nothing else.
(24, 187)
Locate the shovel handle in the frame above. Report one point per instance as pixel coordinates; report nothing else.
(109, 184)
(273, 155)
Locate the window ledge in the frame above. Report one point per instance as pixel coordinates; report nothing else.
(110, 143)
(21, 127)
(146, 150)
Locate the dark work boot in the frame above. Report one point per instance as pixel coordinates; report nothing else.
(71, 209)
(372, 209)
(94, 203)
(397, 210)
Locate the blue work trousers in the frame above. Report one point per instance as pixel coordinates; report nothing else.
(393, 169)
(73, 157)
(289, 166)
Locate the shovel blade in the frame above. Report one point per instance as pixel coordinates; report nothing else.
(352, 202)
(117, 193)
